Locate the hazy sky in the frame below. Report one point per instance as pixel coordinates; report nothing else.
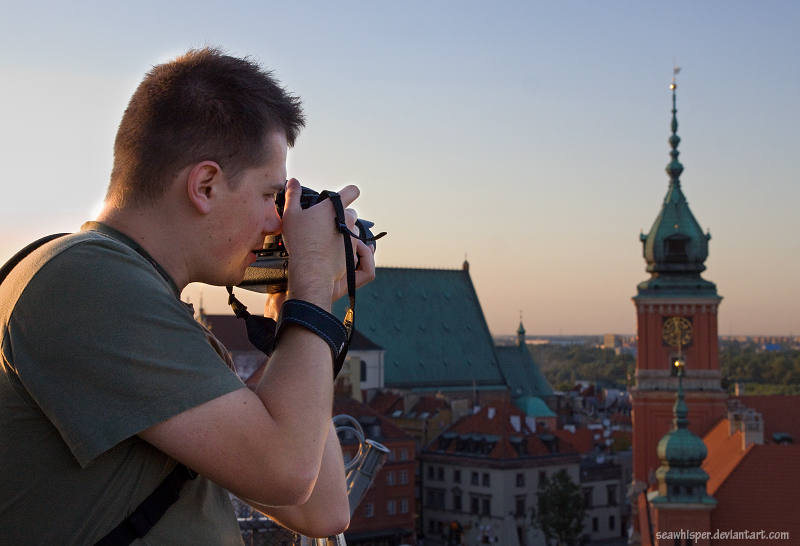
(529, 136)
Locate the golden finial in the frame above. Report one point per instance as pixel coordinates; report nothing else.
(675, 71)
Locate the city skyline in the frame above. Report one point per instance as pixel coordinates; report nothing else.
(529, 137)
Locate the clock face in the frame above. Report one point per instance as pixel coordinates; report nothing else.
(677, 331)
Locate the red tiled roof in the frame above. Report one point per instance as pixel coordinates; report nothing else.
(621, 418)
(386, 402)
(354, 408)
(231, 331)
(779, 413)
(499, 425)
(761, 491)
(430, 404)
(724, 454)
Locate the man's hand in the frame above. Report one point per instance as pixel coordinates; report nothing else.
(363, 254)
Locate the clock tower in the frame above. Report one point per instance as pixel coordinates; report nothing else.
(676, 313)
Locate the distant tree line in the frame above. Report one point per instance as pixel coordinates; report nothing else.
(762, 372)
(562, 365)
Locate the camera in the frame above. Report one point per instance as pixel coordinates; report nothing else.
(270, 272)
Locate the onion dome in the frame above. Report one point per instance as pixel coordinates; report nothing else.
(680, 477)
(676, 247)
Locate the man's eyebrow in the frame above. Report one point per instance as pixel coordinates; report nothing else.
(278, 186)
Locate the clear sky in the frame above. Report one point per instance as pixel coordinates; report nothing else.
(529, 136)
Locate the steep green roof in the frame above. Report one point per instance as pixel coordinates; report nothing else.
(431, 325)
(521, 372)
(533, 406)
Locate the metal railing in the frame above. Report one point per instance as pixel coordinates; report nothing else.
(259, 530)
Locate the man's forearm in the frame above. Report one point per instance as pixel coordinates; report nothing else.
(327, 511)
(297, 391)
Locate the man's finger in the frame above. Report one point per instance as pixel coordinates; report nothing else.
(350, 217)
(293, 193)
(366, 264)
(349, 194)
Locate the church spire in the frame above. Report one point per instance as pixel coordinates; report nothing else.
(520, 333)
(676, 248)
(674, 168)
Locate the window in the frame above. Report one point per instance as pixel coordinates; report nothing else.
(519, 507)
(612, 523)
(474, 505)
(676, 248)
(486, 506)
(390, 478)
(403, 454)
(440, 474)
(474, 478)
(391, 508)
(404, 506)
(521, 536)
(611, 493)
(595, 525)
(457, 476)
(520, 480)
(430, 472)
(587, 497)
(457, 502)
(542, 477)
(369, 510)
(404, 477)
(486, 479)
(391, 456)
(435, 498)
(363, 371)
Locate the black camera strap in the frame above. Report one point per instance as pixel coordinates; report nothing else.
(150, 510)
(264, 333)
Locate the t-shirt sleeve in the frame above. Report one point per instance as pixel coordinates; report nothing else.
(106, 350)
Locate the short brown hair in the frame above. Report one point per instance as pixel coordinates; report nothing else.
(203, 106)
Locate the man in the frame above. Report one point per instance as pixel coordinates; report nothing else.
(107, 380)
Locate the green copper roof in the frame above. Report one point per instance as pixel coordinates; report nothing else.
(680, 477)
(676, 247)
(431, 325)
(522, 373)
(533, 406)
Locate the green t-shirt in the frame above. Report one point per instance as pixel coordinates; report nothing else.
(96, 347)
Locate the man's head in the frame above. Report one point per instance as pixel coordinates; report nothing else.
(202, 106)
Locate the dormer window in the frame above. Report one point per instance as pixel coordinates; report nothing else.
(675, 248)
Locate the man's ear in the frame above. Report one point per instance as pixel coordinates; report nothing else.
(203, 184)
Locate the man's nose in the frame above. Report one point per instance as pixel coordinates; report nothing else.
(272, 220)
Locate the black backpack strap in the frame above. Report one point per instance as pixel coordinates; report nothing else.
(147, 514)
(155, 505)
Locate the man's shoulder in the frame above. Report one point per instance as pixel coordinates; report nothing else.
(86, 257)
(79, 271)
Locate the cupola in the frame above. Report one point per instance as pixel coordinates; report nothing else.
(680, 478)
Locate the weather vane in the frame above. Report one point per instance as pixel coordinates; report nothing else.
(675, 71)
